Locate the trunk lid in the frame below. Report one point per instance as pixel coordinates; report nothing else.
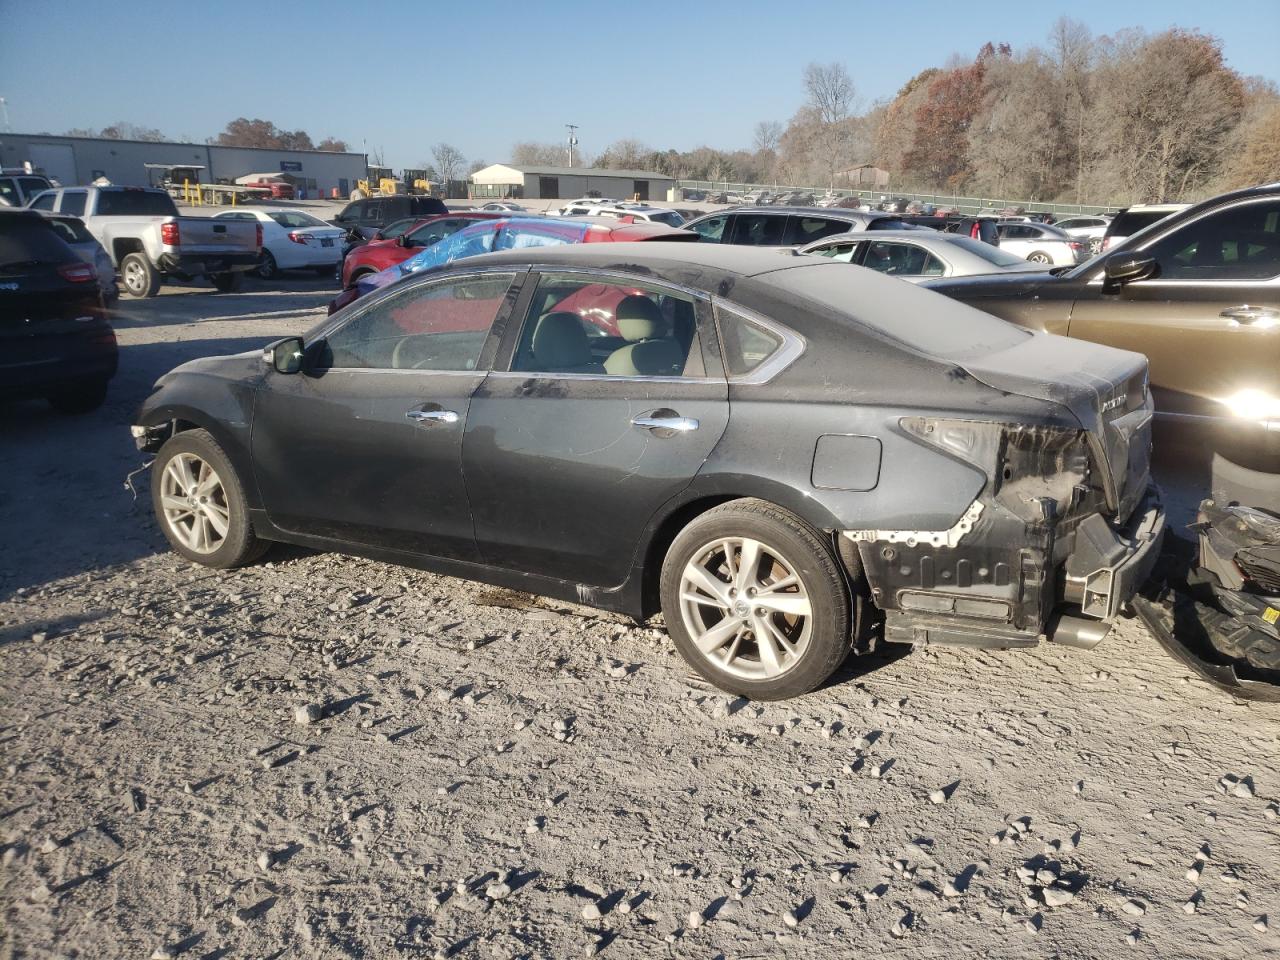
(1105, 389)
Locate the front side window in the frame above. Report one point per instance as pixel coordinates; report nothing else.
(436, 326)
(843, 252)
(710, 230)
(902, 259)
(618, 329)
(44, 202)
(372, 211)
(759, 230)
(9, 192)
(435, 231)
(1241, 243)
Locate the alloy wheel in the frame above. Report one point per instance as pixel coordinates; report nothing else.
(194, 503)
(134, 277)
(745, 608)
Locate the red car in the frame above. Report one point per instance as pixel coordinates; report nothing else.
(511, 232)
(377, 255)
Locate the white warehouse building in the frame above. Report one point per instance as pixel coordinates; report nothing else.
(80, 160)
(514, 181)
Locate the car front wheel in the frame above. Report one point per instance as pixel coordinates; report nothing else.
(756, 602)
(200, 503)
(1040, 257)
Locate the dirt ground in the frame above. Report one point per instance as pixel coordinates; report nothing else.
(483, 774)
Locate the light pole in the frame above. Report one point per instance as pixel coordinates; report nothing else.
(573, 140)
(4, 114)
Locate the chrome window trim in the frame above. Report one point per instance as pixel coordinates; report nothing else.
(793, 345)
(535, 375)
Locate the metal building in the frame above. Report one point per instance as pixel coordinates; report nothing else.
(567, 183)
(80, 160)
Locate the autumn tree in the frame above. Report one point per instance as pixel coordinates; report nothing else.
(939, 151)
(243, 132)
(333, 144)
(121, 130)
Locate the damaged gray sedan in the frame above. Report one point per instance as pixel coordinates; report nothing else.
(760, 446)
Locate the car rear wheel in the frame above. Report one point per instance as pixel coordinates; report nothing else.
(139, 277)
(81, 399)
(267, 268)
(1040, 257)
(359, 275)
(756, 602)
(200, 503)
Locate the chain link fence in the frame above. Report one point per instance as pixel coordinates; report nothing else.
(714, 189)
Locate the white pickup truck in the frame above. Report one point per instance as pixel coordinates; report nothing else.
(147, 240)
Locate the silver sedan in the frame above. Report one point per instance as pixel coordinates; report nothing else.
(917, 255)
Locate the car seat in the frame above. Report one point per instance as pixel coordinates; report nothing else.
(560, 345)
(646, 354)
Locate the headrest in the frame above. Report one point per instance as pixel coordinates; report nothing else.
(638, 318)
(559, 342)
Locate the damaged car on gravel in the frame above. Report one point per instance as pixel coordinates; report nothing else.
(765, 448)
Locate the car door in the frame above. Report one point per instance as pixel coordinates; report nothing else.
(571, 450)
(715, 229)
(1209, 320)
(759, 229)
(901, 258)
(364, 445)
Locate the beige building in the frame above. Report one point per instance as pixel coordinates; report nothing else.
(505, 180)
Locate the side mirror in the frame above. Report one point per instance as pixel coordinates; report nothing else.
(404, 241)
(1125, 268)
(284, 356)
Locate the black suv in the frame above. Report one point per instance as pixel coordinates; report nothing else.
(365, 217)
(55, 341)
(786, 226)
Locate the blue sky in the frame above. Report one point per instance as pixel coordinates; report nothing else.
(484, 75)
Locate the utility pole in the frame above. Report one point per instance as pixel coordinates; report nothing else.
(4, 112)
(573, 140)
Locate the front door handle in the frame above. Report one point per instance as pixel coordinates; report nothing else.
(432, 416)
(1246, 314)
(665, 422)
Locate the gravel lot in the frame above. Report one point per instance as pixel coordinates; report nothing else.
(321, 756)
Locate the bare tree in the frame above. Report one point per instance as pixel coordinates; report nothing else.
(768, 133)
(1071, 51)
(449, 161)
(528, 153)
(830, 94)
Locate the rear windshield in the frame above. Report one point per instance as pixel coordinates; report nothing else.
(23, 240)
(888, 223)
(1001, 258)
(72, 231)
(920, 319)
(293, 218)
(1129, 222)
(135, 203)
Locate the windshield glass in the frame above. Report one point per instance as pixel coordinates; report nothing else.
(932, 325)
(22, 239)
(1001, 258)
(296, 218)
(71, 230)
(670, 218)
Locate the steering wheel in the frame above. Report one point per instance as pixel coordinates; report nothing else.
(402, 356)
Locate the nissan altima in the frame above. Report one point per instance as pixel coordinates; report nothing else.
(765, 448)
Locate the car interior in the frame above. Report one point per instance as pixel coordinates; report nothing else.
(575, 326)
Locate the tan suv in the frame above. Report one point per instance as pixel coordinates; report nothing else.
(1199, 293)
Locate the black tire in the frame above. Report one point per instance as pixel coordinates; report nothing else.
(139, 277)
(80, 399)
(810, 558)
(228, 282)
(1039, 256)
(355, 277)
(239, 545)
(267, 268)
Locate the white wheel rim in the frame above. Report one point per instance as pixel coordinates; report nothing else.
(194, 503)
(133, 278)
(745, 608)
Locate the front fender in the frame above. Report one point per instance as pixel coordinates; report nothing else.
(223, 408)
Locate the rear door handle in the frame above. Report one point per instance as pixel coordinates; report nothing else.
(673, 423)
(432, 416)
(1246, 314)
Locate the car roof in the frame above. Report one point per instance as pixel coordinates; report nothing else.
(18, 213)
(919, 236)
(712, 258)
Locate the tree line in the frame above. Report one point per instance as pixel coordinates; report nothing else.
(1127, 118)
(241, 132)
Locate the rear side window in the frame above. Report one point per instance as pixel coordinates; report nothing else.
(747, 344)
(22, 239)
(72, 231)
(759, 230)
(1129, 222)
(808, 229)
(73, 202)
(888, 223)
(135, 203)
